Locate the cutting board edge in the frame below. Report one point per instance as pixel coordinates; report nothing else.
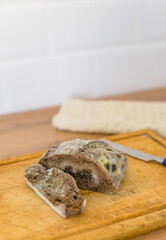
(147, 131)
(116, 137)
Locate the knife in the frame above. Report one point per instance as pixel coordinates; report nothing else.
(135, 153)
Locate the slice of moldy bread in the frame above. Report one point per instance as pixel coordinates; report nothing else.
(95, 165)
(57, 188)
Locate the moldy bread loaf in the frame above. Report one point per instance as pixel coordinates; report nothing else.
(95, 165)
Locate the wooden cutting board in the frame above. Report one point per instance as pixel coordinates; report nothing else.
(137, 208)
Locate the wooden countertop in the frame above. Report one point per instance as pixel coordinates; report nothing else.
(32, 131)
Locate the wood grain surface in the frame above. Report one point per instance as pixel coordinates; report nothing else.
(138, 207)
(31, 131)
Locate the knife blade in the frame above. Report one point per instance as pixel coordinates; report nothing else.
(135, 153)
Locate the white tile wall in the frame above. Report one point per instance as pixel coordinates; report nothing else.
(153, 20)
(125, 69)
(54, 49)
(40, 83)
(23, 32)
(82, 25)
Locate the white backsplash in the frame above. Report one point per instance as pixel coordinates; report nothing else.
(52, 50)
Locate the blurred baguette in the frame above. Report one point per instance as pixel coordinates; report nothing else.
(111, 116)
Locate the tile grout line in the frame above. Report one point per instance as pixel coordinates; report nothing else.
(86, 52)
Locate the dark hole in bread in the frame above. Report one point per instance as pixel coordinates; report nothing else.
(80, 174)
(35, 177)
(109, 149)
(84, 174)
(114, 167)
(69, 169)
(49, 194)
(107, 166)
(84, 178)
(95, 189)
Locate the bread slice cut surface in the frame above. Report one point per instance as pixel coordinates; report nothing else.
(57, 188)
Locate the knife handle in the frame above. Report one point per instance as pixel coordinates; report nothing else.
(164, 162)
